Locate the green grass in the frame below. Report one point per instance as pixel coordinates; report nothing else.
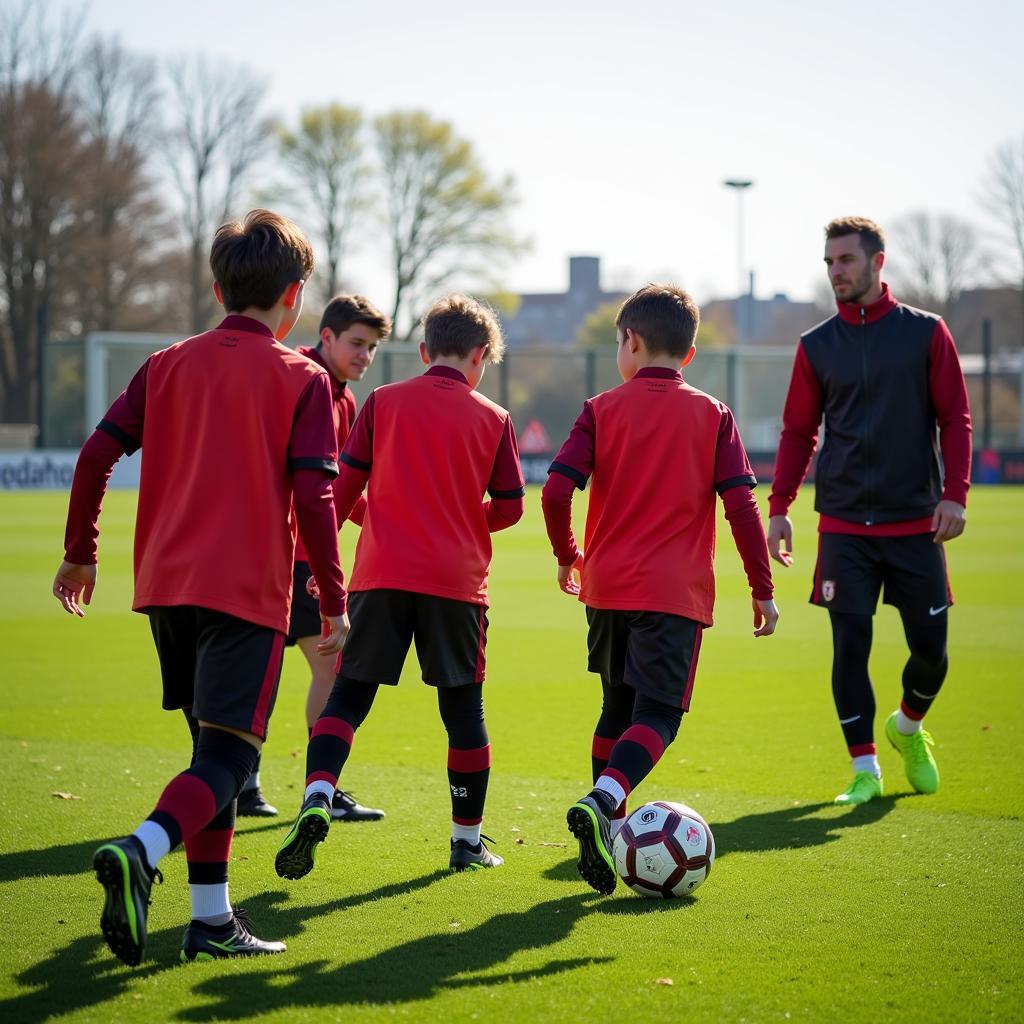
(909, 908)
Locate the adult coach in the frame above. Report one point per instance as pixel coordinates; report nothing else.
(887, 379)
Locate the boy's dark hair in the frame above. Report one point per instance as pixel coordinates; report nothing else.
(344, 311)
(665, 316)
(457, 324)
(872, 237)
(255, 260)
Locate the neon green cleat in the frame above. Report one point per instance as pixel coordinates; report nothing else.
(865, 786)
(918, 763)
(297, 854)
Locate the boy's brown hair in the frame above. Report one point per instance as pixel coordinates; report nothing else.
(344, 311)
(666, 317)
(457, 324)
(872, 237)
(255, 260)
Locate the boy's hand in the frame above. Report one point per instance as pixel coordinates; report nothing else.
(766, 615)
(948, 521)
(780, 531)
(335, 628)
(70, 582)
(311, 587)
(569, 576)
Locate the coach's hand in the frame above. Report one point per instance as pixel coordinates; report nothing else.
(70, 582)
(766, 615)
(780, 531)
(332, 643)
(948, 521)
(569, 576)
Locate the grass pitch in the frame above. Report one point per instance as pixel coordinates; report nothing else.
(907, 909)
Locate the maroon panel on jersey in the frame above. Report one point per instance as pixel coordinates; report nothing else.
(433, 448)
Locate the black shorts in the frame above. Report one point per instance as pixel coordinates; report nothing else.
(853, 569)
(225, 669)
(653, 652)
(451, 638)
(304, 619)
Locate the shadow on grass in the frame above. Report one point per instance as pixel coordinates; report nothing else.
(788, 828)
(75, 858)
(85, 974)
(411, 971)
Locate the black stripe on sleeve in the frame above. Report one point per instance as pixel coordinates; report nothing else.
(573, 474)
(327, 465)
(747, 480)
(127, 442)
(351, 460)
(518, 492)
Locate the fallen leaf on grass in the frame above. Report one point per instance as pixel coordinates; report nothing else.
(551, 844)
(65, 796)
(663, 981)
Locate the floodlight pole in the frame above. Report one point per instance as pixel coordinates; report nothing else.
(739, 186)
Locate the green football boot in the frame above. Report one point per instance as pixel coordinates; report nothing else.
(297, 854)
(235, 939)
(918, 763)
(590, 825)
(865, 786)
(126, 878)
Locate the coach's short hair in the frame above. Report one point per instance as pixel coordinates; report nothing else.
(665, 316)
(255, 260)
(344, 311)
(872, 237)
(457, 324)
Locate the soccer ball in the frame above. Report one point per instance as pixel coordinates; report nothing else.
(664, 849)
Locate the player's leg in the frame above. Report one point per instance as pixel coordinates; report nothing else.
(451, 645)
(918, 585)
(344, 806)
(330, 743)
(847, 582)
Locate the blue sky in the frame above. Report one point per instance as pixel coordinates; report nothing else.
(619, 122)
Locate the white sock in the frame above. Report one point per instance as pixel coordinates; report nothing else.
(320, 786)
(471, 833)
(906, 726)
(253, 782)
(155, 841)
(210, 903)
(867, 763)
(612, 788)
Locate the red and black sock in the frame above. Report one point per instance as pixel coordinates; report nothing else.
(331, 739)
(469, 757)
(617, 703)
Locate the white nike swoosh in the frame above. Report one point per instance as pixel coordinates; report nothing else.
(935, 611)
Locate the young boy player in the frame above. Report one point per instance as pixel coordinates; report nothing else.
(431, 449)
(351, 328)
(657, 451)
(235, 429)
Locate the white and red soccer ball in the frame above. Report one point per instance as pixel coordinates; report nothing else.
(664, 849)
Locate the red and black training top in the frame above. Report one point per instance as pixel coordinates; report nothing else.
(432, 448)
(885, 377)
(231, 423)
(658, 451)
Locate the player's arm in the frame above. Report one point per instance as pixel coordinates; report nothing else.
(118, 433)
(312, 458)
(571, 469)
(355, 464)
(801, 417)
(948, 391)
(506, 487)
(735, 482)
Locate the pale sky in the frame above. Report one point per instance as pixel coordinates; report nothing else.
(619, 121)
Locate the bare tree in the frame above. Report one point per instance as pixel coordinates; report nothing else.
(325, 155)
(934, 258)
(40, 144)
(216, 137)
(1003, 195)
(445, 217)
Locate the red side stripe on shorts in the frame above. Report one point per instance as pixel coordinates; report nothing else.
(333, 727)
(475, 760)
(481, 648)
(644, 736)
(268, 687)
(693, 669)
(209, 847)
(816, 592)
(602, 746)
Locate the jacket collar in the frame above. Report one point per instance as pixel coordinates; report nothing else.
(853, 313)
(246, 324)
(446, 371)
(658, 372)
(310, 352)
